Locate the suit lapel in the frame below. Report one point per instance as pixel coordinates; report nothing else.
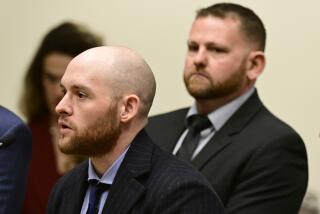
(75, 194)
(127, 187)
(219, 141)
(223, 137)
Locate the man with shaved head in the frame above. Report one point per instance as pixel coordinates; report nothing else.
(108, 92)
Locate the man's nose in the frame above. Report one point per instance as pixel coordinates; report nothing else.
(200, 59)
(64, 106)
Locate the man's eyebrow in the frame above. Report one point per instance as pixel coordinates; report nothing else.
(80, 87)
(209, 43)
(76, 87)
(190, 42)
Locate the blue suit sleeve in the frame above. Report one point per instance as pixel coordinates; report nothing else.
(14, 162)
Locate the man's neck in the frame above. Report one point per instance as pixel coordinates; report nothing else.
(103, 162)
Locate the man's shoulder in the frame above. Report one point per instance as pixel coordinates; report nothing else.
(165, 120)
(159, 162)
(8, 119)
(175, 170)
(172, 114)
(13, 129)
(269, 122)
(173, 181)
(254, 115)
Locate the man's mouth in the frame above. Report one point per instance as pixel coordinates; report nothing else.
(198, 75)
(64, 126)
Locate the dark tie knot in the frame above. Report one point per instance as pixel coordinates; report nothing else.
(195, 123)
(96, 190)
(98, 185)
(198, 122)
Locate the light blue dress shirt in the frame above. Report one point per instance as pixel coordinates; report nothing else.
(218, 118)
(106, 178)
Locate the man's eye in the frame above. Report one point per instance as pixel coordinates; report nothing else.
(193, 47)
(217, 49)
(81, 95)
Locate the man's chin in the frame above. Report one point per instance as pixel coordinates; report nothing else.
(64, 145)
(198, 91)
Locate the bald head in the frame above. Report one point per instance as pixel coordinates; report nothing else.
(125, 70)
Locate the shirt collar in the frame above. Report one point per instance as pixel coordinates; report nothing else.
(110, 174)
(219, 117)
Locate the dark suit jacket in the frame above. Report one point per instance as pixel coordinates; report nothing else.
(149, 180)
(256, 163)
(15, 153)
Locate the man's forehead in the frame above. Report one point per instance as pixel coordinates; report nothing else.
(210, 21)
(214, 28)
(84, 75)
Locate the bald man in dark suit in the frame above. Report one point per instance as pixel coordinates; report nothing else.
(108, 94)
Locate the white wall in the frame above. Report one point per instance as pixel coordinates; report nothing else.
(158, 30)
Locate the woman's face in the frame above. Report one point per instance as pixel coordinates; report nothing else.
(54, 67)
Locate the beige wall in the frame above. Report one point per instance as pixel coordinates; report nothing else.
(158, 30)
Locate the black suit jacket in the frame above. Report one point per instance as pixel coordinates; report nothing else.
(256, 163)
(149, 180)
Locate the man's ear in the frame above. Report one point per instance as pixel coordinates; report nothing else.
(255, 65)
(129, 108)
